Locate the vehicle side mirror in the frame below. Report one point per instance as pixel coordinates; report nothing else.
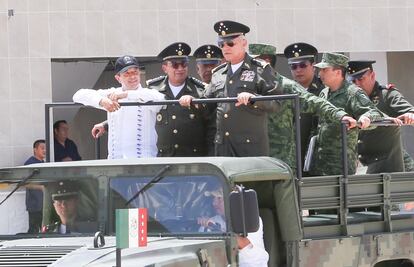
(244, 211)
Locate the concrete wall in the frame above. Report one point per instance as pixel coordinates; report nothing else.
(41, 30)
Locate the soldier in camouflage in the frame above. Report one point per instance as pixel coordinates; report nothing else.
(343, 94)
(281, 124)
(378, 155)
(182, 132)
(301, 59)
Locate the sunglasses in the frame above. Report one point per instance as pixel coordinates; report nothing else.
(229, 43)
(177, 64)
(301, 65)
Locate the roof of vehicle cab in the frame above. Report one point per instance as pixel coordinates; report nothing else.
(238, 169)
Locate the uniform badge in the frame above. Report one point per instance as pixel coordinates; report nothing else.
(247, 75)
(159, 117)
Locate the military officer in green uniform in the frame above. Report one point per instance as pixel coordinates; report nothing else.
(65, 201)
(381, 148)
(207, 58)
(241, 127)
(281, 124)
(301, 59)
(182, 132)
(341, 93)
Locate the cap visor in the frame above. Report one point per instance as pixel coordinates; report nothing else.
(64, 196)
(322, 65)
(127, 68)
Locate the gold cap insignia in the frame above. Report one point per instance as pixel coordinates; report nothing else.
(159, 117)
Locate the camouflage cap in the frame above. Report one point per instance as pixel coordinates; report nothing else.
(261, 49)
(333, 60)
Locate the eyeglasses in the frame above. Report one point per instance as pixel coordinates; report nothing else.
(229, 43)
(301, 65)
(177, 64)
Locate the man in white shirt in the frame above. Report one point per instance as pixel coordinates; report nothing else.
(251, 248)
(131, 128)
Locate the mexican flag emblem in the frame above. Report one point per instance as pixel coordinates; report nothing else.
(131, 228)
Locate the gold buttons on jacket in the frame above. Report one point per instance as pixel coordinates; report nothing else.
(247, 140)
(176, 146)
(226, 116)
(175, 131)
(230, 82)
(192, 116)
(195, 150)
(173, 117)
(227, 134)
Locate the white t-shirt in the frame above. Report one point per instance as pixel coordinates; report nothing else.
(131, 129)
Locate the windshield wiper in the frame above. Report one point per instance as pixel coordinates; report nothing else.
(157, 177)
(20, 184)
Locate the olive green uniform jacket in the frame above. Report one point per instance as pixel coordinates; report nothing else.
(242, 131)
(281, 124)
(327, 158)
(183, 132)
(381, 148)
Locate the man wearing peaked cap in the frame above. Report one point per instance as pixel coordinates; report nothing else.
(341, 93)
(381, 148)
(301, 59)
(207, 58)
(182, 132)
(131, 130)
(241, 127)
(65, 201)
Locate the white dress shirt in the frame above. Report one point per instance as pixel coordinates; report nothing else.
(131, 128)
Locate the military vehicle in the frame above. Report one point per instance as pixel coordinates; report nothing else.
(299, 229)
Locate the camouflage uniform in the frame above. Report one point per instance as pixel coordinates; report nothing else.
(327, 158)
(183, 132)
(242, 131)
(378, 155)
(281, 126)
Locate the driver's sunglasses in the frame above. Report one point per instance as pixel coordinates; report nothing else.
(177, 64)
(301, 65)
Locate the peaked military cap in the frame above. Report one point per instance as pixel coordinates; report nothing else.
(298, 52)
(177, 50)
(356, 69)
(261, 49)
(333, 60)
(208, 54)
(64, 190)
(124, 63)
(231, 29)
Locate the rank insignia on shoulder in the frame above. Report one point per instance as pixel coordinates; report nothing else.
(159, 117)
(198, 82)
(155, 80)
(219, 67)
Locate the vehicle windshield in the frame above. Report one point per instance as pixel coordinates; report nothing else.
(175, 204)
(53, 207)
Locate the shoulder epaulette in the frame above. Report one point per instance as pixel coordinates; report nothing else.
(259, 62)
(155, 80)
(197, 82)
(219, 67)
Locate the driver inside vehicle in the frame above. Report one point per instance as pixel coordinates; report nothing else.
(65, 202)
(251, 248)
